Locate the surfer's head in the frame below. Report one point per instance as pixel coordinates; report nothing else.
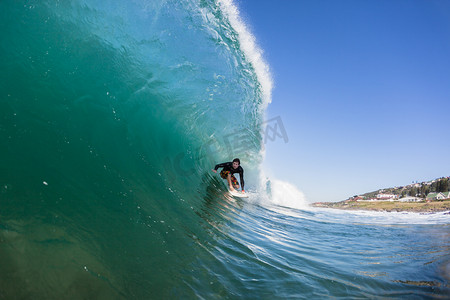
(236, 163)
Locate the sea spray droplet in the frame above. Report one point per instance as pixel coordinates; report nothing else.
(45, 183)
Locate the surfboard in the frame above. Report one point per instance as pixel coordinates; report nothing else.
(238, 194)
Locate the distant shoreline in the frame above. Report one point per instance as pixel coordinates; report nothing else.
(389, 206)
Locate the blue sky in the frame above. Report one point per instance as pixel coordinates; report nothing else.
(362, 88)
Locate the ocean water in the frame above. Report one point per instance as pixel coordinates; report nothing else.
(112, 114)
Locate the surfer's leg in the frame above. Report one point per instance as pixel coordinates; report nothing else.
(234, 182)
(230, 183)
(224, 174)
(230, 179)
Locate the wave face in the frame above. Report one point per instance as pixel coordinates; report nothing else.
(112, 114)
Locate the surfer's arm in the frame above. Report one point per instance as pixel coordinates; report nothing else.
(220, 166)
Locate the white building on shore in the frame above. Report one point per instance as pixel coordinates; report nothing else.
(388, 197)
(410, 199)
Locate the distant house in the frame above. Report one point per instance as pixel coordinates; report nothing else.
(410, 199)
(431, 196)
(387, 197)
(437, 196)
(446, 195)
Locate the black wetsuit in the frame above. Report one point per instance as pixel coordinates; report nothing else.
(228, 166)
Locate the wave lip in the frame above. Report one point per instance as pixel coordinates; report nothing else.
(249, 45)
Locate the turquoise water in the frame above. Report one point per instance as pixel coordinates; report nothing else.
(112, 114)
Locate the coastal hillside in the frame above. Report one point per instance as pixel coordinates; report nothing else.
(427, 196)
(421, 190)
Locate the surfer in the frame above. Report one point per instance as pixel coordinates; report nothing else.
(229, 168)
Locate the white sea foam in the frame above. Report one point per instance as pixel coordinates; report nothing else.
(286, 194)
(382, 218)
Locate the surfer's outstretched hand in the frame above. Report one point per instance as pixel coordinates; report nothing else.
(215, 171)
